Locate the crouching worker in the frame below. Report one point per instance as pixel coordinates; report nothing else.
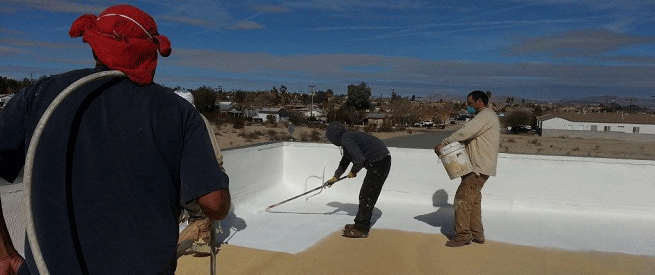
(114, 160)
(364, 151)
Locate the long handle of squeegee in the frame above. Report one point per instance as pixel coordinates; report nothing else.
(29, 161)
(298, 196)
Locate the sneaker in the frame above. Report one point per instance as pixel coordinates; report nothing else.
(457, 243)
(476, 240)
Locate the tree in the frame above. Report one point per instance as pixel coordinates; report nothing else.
(400, 111)
(348, 114)
(204, 98)
(538, 111)
(518, 117)
(358, 96)
(395, 96)
(270, 119)
(242, 100)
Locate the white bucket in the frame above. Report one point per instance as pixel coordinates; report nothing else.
(456, 160)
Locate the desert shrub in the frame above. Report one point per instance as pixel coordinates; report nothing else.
(576, 149)
(283, 136)
(536, 142)
(270, 119)
(315, 136)
(385, 128)
(304, 136)
(272, 134)
(510, 140)
(238, 123)
(371, 127)
(597, 147)
(297, 118)
(409, 131)
(250, 136)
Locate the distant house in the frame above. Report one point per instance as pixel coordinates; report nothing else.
(620, 126)
(224, 106)
(280, 114)
(317, 114)
(375, 118)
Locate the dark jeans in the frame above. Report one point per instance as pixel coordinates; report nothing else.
(376, 174)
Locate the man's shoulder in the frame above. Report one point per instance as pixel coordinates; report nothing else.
(488, 111)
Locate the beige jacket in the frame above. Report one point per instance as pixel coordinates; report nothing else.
(481, 135)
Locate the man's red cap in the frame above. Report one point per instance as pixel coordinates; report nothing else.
(124, 38)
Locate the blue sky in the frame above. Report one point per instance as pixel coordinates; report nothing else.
(544, 49)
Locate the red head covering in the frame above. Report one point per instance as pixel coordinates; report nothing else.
(124, 38)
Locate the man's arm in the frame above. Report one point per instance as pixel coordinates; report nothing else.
(356, 155)
(471, 129)
(216, 205)
(10, 261)
(343, 164)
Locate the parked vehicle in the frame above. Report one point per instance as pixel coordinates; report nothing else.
(425, 123)
(521, 129)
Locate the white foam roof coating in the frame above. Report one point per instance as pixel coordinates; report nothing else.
(568, 203)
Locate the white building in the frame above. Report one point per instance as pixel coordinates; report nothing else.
(599, 125)
(279, 114)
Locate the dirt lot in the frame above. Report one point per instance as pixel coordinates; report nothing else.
(536, 145)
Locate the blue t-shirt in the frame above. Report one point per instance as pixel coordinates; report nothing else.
(112, 166)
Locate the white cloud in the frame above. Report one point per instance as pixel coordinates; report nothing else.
(421, 76)
(11, 51)
(60, 6)
(246, 25)
(588, 42)
(268, 8)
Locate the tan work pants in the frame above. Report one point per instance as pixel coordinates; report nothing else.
(468, 210)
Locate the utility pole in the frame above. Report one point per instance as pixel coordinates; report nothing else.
(311, 110)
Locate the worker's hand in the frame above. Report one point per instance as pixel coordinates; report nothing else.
(10, 265)
(351, 175)
(331, 181)
(437, 149)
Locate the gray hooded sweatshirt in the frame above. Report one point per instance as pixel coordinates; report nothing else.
(358, 147)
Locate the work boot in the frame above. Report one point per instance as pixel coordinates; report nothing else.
(198, 232)
(457, 243)
(350, 231)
